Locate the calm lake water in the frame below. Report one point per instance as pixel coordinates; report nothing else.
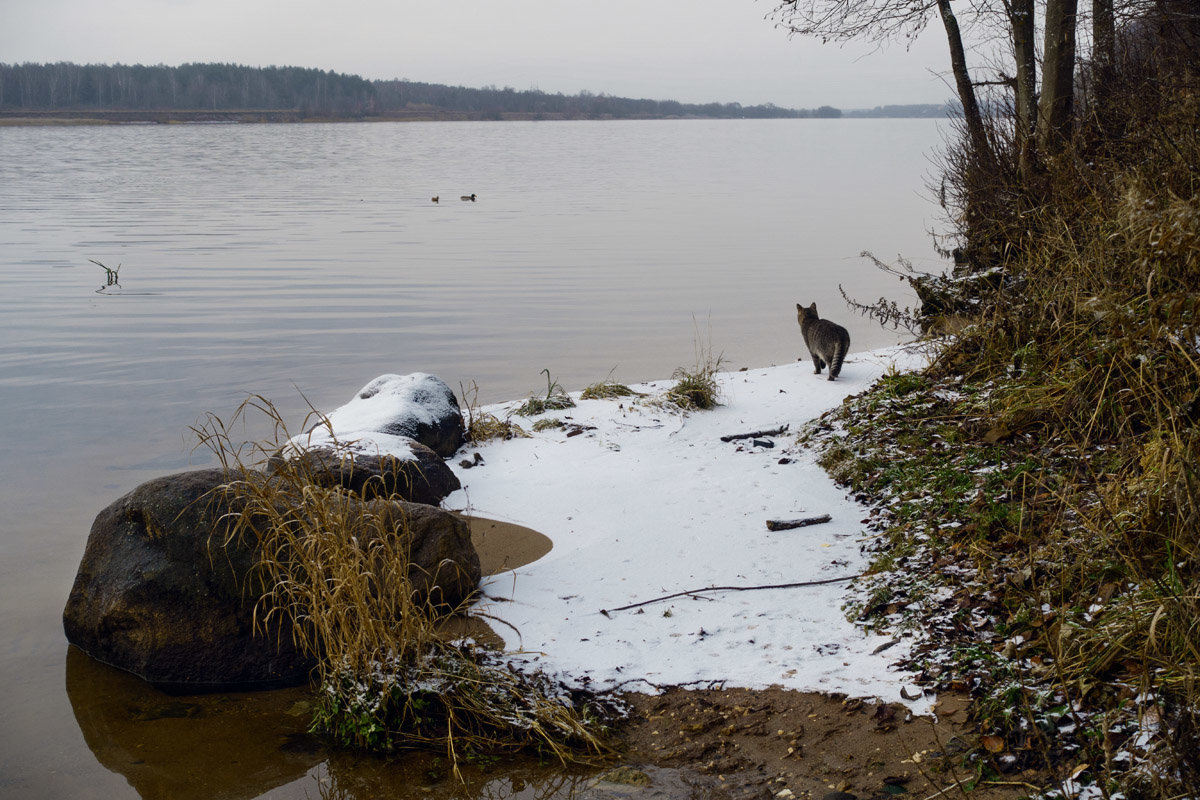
(301, 262)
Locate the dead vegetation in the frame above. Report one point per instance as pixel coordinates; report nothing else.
(1036, 493)
(335, 575)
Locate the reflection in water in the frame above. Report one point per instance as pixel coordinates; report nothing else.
(346, 778)
(176, 748)
(250, 745)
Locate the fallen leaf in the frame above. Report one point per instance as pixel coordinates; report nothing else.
(992, 743)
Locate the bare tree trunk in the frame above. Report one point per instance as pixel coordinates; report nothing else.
(1104, 56)
(1021, 18)
(962, 81)
(1058, 76)
(1104, 38)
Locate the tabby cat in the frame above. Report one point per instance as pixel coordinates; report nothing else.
(827, 341)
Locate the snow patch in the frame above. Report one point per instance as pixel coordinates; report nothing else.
(649, 502)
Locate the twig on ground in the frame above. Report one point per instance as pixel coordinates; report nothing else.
(692, 592)
(788, 524)
(754, 434)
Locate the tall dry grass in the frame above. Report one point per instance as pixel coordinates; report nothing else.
(334, 573)
(1073, 394)
(1093, 345)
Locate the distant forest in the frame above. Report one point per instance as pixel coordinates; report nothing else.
(924, 111)
(299, 93)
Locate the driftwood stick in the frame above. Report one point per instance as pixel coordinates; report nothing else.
(693, 592)
(754, 434)
(788, 524)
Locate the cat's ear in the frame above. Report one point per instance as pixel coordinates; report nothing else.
(813, 307)
(799, 307)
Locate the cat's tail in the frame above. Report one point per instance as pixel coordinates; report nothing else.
(839, 355)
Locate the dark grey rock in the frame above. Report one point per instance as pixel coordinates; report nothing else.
(424, 478)
(159, 593)
(164, 591)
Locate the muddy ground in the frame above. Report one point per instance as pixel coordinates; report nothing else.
(786, 744)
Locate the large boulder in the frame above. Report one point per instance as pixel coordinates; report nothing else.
(421, 478)
(165, 592)
(390, 410)
(443, 563)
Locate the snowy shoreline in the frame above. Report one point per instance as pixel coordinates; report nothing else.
(647, 502)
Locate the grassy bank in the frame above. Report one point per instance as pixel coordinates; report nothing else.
(1035, 491)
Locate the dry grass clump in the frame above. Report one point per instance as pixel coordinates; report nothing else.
(607, 389)
(466, 694)
(484, 426)
(556, 399)
(336, 568)
(696, 387)
(335, 573)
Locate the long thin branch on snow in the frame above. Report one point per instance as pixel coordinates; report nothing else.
(693, 592)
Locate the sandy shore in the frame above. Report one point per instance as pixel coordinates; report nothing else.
(503, 545)
(774, 743)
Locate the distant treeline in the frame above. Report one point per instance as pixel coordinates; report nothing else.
(208, 87)
(927, 110)
(66, 88)
(493, 102)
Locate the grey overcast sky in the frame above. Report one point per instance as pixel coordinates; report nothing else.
(687, 50)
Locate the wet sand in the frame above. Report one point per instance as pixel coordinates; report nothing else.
(775, 743)
(503, 545)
